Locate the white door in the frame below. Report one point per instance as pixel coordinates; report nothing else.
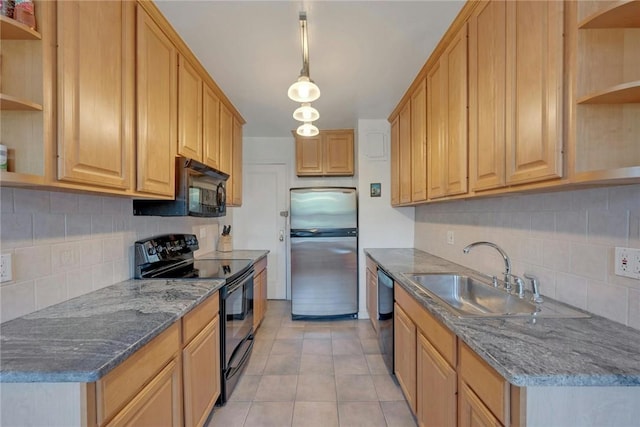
(258, 224)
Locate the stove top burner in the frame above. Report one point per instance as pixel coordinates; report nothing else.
(170, 256)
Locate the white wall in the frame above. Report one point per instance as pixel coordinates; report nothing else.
(66, 244)
(380, 225)
(566, 238)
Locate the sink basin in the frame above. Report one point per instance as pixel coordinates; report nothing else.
(467, 296)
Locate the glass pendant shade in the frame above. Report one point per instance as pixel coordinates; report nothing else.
(304, 90)
(307, 129)
(306, 113)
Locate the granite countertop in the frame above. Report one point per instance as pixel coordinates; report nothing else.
(82, 339)
(548, 352)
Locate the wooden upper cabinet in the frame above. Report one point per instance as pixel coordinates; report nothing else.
(96, 92)
(447, 120)
(338, 152)
(395, 161)
(534, 90)
(189, 110)
(487, 99)
(235, 180)
(404, 142)
(226, 140)
(156, 84)
(419, 143)
(210, 128)
(309, 155)
(328, 154)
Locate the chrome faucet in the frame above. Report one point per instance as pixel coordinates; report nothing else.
(507, 261)
(535, 288)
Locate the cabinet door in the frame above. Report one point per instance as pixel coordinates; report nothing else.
(456, 115)
(95, 92)
(471, 411)
(436, 387)
(372, 297)
(226, 142)
(309, 155)
(201, 359)
(157, 90)
(338, 153)
(235, 180)
(419, 143)
(159, 403)
(210, 128)
(257, 301)
(404, 346)
(395, 161)
(487, 56)
(405, 153)
(189, 110)
(436, 128)
(534, 90)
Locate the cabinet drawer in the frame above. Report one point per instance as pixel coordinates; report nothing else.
(488, 385)
(199, 317)
(371, 265)
(259, 266)
(439, 335)
(119, 386)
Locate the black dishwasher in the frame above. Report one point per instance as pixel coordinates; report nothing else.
(385, 318)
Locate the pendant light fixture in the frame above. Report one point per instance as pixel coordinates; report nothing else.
(304, 90)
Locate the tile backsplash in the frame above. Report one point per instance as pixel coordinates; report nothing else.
(64, 244)
(567, 239)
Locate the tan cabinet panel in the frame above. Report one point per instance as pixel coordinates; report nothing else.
(534, 90)
(487, 99)
(226, 140)
(210, 128)
(309, 156)
(395, 161)
(338, 153)
(201, 367)
(372, 295)
(404, 336)
(436, 387)
(405, 153)
(437, 128)
(96, 92)
(189, 110)
(472, 412)
(235, 180)
(419, 143)
(156, 84)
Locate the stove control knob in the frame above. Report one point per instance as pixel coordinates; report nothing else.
(151, 250)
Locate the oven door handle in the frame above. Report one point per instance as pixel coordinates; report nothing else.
(233, 369)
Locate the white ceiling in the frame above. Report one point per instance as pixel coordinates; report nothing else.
(362, 54)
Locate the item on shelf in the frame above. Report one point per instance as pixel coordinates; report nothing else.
(6, 8)
(24, 13)
(3, 157)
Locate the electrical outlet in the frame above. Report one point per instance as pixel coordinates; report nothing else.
(6, 273)
(203, 232)
(450, 236)
(627, 262)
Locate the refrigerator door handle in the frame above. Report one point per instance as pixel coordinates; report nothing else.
(281, 238)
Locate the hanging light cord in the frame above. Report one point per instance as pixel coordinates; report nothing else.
(305, 44)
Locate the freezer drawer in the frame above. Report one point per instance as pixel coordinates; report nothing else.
(324, 277)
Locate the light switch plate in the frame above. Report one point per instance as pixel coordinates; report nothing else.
(450, 238)
(627, 262)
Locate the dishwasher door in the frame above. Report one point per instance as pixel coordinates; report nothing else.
(385, 318)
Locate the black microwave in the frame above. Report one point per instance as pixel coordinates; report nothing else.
(200, 191)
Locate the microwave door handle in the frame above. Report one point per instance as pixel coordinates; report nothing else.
(221, 196)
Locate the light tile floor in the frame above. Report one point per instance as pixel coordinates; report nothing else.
(314, 373)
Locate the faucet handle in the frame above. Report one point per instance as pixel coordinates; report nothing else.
(519, 286)
(535, 288)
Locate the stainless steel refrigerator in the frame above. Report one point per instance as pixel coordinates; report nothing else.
(324, 252)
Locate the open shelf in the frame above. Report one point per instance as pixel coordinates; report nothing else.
(21, 179)
(8, 102)
(622, 14)
(625, 93)
(10, 29)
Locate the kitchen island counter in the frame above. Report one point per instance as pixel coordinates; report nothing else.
(546, 352)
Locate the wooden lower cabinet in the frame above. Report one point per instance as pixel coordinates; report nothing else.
(436, 387)
(471, 411)
(158, 404)
(372, 294)
(259, 292)
(404, 342)
(201, 367)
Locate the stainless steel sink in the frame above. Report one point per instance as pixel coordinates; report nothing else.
(467, 296)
